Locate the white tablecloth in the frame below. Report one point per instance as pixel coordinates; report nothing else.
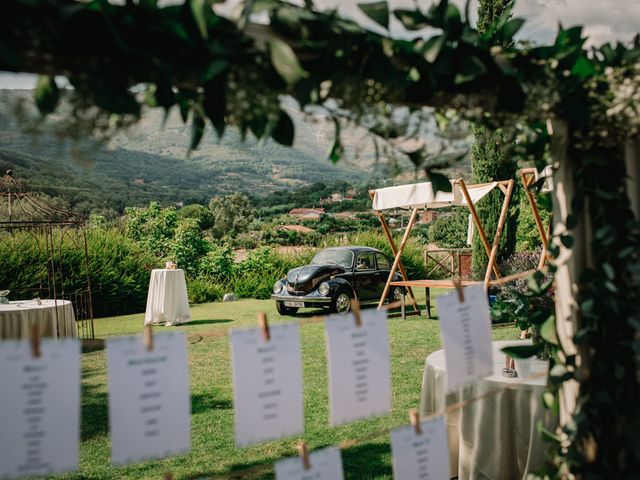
(494, 438)
(167, 301)
(54, 318)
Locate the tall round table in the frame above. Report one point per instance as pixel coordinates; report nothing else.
(496, 437)
(55, 319)
(167, 301)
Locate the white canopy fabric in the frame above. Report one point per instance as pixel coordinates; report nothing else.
(420, 195)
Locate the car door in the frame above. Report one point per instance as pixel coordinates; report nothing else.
(365, 276)
(384, 268)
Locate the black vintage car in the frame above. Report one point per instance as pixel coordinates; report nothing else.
(333, 278)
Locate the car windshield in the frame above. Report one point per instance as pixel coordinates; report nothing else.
(343, 258)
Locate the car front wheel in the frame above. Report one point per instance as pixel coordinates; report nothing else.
(284, 310)
(342, 303)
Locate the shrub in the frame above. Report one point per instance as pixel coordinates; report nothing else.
(450, 231)
(152, 227)
(218, 264)
(118, 268)
(188, 246)
(203, 290)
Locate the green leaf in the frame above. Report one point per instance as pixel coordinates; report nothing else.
(197, 129)
(433, 47)
(571, 221)
(47, 94)
(117, 100)
(548, 399)
(214, 104)
(439, 182)
(337, 150)
(548, 331)
(214, 69)
(164, 95)
(411, 19)
(283, 131)
(510, 28)
(471, 69)
(546, 434)
(285, 62)
(566, 240)
(523, 351)
(583, 68)
(376, 11)
(199, 11)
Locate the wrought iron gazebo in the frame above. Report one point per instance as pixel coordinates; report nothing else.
(44, 252)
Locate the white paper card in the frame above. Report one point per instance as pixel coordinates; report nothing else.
(267, 384)
(39, 408)
(424, 456)
(466, 333)
(149, 400)
(359, 366)
(326, 464)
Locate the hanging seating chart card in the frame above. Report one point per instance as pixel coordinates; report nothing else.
(421, 456)
(359, 366)
(149, 401)
(466, 333)
(324, 464)
(39, 408)
(267, 383)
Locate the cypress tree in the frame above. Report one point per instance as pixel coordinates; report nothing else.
(490, 161)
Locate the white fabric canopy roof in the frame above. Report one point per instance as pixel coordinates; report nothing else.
(420, 195)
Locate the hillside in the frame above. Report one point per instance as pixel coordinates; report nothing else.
(149, 161)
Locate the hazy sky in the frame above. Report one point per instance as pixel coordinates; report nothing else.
(604, 21)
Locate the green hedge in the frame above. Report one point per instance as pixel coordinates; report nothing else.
(118, 268)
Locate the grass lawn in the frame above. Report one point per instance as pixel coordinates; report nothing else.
(213, 449)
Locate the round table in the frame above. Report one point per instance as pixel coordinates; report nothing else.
(55, 319)
(496, 437)
(167, 301)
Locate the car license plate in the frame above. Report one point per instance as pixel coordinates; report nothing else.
(294, 304)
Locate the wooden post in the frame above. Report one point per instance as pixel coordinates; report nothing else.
(476, 220)
(527, 176)
(394, 267)
(394, 250)
(496, 238)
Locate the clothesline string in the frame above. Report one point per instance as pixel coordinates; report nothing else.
(344, 444)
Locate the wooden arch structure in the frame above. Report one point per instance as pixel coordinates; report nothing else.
(416, 197)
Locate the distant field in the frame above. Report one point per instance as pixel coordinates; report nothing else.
(213, 447)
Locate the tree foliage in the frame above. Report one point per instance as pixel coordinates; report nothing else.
(491, 159)
(232, 214)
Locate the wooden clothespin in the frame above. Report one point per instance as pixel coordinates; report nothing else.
(148, 337)
(459, 288)
(355, 308)
(35, 341)
(414, 419)
(262, 321)
(304, 453)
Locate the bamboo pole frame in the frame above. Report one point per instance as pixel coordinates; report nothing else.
(505, 186)
(477, 222)
(397, 261)
(528, 175)
(394, 250)
(498, 235)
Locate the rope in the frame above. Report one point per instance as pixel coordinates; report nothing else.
(344, 444)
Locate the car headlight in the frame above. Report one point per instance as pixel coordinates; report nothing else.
(277, 287)
(324, 288)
